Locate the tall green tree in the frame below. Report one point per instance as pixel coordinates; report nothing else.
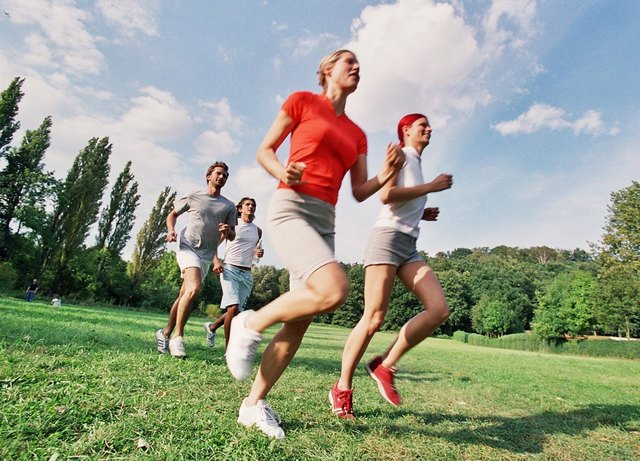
(495, 317)
(24, 185)
(117, 219)
(348, 315)
(9, 101)
(114, 231)
(150, 241)
(265, 286)
(161, 284)
(77, 206)
(503, 280)
(618, 263)
(459, 298)
(567, 307)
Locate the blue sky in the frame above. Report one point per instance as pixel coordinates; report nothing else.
(534, 104)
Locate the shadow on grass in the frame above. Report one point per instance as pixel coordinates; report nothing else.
(527, 434)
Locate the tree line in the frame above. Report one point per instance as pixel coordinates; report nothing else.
(45, 223)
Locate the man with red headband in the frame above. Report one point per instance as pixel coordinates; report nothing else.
(391, 251)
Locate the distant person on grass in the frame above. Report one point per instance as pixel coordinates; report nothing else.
(32, 289)
(325, 144)
(235, 272)
(391, 252)
(210, 217)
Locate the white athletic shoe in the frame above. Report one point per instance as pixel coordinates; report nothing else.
(262, 416)
(176, 347)
(242, 347)
(211, 335)
(162, 342)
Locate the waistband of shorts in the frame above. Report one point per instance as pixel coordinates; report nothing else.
(242, 268)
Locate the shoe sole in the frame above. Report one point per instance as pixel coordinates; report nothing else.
(254, 425)
(380, 386)
(178, 356)
(239, 374)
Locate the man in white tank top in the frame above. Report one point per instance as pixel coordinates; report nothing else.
(235, 273)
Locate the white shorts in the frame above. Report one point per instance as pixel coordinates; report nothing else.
(301, 231)
(236, 287)
(188, 258)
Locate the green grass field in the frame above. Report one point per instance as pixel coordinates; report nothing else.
(86, 383)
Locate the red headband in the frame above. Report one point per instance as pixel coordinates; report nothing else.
(407, 120)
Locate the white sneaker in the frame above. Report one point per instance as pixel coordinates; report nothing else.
(176, 347)
(242, 347)
(262, 416)
(162, 342)
(211, 335)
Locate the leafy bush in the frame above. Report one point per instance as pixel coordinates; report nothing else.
(496, 317)
(210, 310)
(461, 336)
(534, 343)
(601, 348)
(8, 276)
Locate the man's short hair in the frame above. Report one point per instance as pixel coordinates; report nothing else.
(214, 166)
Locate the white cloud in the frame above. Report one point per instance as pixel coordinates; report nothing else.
(223, 117)
(543, 116)
(38, 52)
(510, 22)
(130, 16)
(214, 145)
(279, 26)
(422, 55)
(255, 179)
(157, 115)
(591, 123)
(309, 42)
(538, 116)
(222, 140)
(62, 33)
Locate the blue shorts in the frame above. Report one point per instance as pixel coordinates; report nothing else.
(236, 286)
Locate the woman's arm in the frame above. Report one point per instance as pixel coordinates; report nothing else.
(390, 193)
(361, 188)
(266, 156)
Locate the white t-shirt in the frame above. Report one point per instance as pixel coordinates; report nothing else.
(405, 216)
(240, 250)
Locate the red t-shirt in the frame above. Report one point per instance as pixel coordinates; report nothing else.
(328, 144)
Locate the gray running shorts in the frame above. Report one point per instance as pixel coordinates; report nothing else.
(390, 246)
(301, 230)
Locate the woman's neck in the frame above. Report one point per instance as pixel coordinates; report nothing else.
(419, 148)
(338, 99)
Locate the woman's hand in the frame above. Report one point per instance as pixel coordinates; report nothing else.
(292, 175)
(393, 161)
(442, 182)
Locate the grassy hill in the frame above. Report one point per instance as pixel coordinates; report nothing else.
(86, 383)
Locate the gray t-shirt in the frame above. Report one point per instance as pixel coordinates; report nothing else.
(204, 213)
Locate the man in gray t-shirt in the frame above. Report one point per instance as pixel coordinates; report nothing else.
(210, 216)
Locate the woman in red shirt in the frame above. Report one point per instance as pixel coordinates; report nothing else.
(325, 144)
